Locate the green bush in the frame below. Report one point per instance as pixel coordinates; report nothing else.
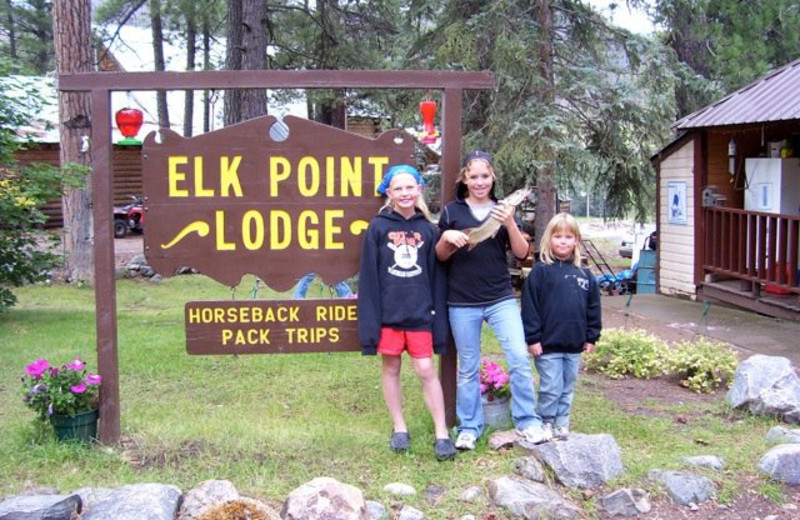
(702, 365)
(622, 352)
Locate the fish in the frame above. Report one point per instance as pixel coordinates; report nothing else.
(491, 225)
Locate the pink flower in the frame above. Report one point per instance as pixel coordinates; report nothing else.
(37, 368)
(92, 379)
(76, 365)
(78, 389)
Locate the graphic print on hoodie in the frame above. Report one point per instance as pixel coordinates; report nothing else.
(406, 253)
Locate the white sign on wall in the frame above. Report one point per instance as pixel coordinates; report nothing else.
(676, 202)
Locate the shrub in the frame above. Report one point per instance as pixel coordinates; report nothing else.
(703, 365)
(622, 352)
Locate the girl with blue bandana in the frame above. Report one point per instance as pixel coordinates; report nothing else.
(401, 301)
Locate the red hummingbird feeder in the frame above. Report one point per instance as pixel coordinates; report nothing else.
(429, 134)
(129, 121)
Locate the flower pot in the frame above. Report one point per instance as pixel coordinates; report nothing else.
(81, 426)
(497, 412)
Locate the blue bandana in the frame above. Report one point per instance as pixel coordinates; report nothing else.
(395, 170)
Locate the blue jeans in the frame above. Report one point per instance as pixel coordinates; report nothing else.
(504, 318)
(558, 373)
(341, 288)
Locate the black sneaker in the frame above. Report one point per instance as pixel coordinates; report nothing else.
(399, 441)
(444, 449)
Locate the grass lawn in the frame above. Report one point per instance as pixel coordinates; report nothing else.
(270, 423)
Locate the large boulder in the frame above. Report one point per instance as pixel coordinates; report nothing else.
(782, 463)
(325, 499)
(530, 500)
(684, 487)
(40, 507)
(767, 385)
(137, 502)
(207, 494)
(582, 461)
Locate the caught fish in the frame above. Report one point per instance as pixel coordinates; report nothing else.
(491, 226)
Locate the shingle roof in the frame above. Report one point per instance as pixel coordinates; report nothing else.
(774, 97)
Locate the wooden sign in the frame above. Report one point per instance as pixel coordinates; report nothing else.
(238, 201)
(271, 326)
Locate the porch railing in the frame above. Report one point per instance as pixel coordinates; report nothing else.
(756, 247)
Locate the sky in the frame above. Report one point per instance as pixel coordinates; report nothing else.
(634, 20)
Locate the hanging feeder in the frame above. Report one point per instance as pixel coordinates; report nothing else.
(129, 121)
(429, 134)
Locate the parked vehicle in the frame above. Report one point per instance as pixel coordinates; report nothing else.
(129, 218)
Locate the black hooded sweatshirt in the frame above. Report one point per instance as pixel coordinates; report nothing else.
(401, 284)
(561, 307)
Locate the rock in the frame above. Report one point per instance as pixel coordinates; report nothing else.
(434, 494)
(376, 510)
(325, 499)
(206, 494)
(529, 468)
(626, 502)
(399, 489)
(782, 463)
(137, 502)
(91, 496)
(471, 494)
(40, 507)
(684, 487)
(705, 461)
(409, 513)
(503, 439)
(767, 385)
(582, 461)
(781, 435)
(530, 500)
(468, 517)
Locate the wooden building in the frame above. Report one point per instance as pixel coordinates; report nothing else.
(728, 199)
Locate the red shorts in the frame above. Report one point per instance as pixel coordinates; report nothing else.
(419, 343)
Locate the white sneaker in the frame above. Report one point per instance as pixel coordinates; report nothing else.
(465, 441)
(535, 434)
(562, 432)
(548, 430)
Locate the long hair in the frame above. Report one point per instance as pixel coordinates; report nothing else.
(419, 204)
(560, 222)
(461, 187)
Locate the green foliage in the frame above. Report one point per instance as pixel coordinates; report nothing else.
(622, 352)
(703, 365)
(24, 255)
(65, 390)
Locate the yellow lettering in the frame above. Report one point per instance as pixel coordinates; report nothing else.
(378, 164)
(252, 219)
(280, 230)
(263, 336)
(279, 170)
(258, 314)
(307, 238)
(199, 189)
(331, 229)
(219, 315)
(229, 175)
(308, 188)
(174, 176)
(351, 176)
(219, 221)
(330, 176)
(240, 340)
(333, 334)
(227, 334)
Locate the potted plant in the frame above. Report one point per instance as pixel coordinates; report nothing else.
(67, 397)
(495, 394)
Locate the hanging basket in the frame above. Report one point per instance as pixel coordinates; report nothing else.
(80, 427)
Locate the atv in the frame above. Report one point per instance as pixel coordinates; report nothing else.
(129, 218)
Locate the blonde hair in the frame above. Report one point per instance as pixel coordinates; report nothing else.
(461, 185)
(419, 203)
(560, 222)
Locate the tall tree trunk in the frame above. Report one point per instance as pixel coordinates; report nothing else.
(12, 31)
(247, 50)
(158, 53)
(545, 190)
(73, 47)
(191, 40)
